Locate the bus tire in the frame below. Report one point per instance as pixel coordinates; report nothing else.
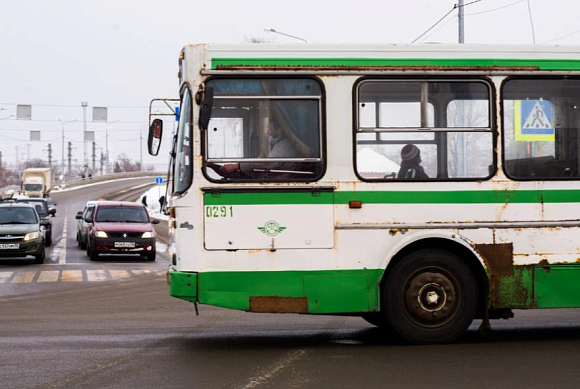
(376, 319)
(430, 296)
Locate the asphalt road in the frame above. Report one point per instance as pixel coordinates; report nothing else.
(128, 333)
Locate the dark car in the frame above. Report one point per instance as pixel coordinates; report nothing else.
(121, 228)
(82, 226)
(21, 234)
(44, 212)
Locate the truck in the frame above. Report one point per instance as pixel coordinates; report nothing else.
(37, 182)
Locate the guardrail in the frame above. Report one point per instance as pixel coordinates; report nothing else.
(109, 177)
(84, 181)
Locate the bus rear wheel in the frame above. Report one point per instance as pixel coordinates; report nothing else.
(430, 296)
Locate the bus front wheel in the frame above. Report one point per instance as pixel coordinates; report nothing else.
(430, 296)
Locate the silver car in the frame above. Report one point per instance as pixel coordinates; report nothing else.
(83, 226)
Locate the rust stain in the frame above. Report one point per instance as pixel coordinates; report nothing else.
(498, 258)
(277, 304)
(545, 265)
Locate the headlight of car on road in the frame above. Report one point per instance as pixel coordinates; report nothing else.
(101, 234)
(147, 234)
(31, 236)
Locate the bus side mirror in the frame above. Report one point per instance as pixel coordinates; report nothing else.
(154, 138)
(206, 104)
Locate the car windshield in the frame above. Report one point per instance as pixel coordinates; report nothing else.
(40, 206)
(15, 215)
(33, 187)
(122, 215)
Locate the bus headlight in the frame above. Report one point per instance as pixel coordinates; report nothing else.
(31, 235)
(147, 234)
(101, 234)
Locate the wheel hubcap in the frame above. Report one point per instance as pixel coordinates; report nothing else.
(431, 297)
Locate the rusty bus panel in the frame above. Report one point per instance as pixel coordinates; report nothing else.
(498, 258)
(276, 304)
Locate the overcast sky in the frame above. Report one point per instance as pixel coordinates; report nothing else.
(120, 54)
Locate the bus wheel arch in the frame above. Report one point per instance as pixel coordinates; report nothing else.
(437, 269)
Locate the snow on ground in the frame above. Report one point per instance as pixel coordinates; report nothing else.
(152, 197)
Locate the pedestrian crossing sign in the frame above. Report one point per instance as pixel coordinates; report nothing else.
(534, 120)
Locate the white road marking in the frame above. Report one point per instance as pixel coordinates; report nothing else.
(119, 274)
(72, 275)
(62, 257)
(140, 272)
(48, 276)
(97, 275)
(25, 276)
(282, 364)
(4, 276)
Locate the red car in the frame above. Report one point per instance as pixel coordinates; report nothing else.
(121, 227)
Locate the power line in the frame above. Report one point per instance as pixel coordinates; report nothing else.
(562, 37)
(78, 106)
(455, 6)
(495, 9)
(436, 23)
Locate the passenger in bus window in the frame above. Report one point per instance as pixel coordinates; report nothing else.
(411, 168)
(280, 147)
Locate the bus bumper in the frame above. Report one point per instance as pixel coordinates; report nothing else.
(182, 285)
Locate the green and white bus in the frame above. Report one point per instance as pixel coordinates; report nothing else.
(417, 186)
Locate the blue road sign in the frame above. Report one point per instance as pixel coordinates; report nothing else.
(534, 120)
(159, 180)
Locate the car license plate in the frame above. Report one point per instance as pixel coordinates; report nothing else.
(8, 246)
(125, 244)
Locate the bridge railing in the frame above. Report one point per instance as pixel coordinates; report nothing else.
(85, 181)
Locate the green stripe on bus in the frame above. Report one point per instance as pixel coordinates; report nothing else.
(396, 197)
(541, 64)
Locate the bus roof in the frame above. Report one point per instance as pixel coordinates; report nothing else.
(349, 57)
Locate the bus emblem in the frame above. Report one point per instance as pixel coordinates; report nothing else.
(271, 228)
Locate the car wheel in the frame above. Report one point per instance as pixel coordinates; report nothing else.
(48, 241)
(94, 255)
(430, 296)
(40, 257)
(88, 251)
(82, 244)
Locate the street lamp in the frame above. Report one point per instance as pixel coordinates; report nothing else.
(269, 29)
(62, 158)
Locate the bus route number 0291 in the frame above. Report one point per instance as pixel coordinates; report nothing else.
(219, 211)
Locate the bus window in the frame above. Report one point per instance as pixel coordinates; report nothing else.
(423, 130)
(541, 128)
(264, 130)
(183, 172)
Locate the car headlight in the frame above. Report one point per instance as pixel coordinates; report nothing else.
(147, 234)
(101, 234)
(31, 235)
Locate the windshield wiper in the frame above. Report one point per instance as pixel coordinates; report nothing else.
(16, 223)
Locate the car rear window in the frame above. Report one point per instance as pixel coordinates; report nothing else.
(40, 206)
(17, 215)
(122, 215)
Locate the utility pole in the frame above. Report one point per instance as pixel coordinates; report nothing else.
(94, 156)
(102, 161)
(140, 150)
(461, 18)
(49, 155)
(84, 105)
(1, 171)
(69, 155)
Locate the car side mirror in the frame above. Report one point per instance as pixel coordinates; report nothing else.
(155, 135)
(45, 222)
(89, 219)
(154, 221)
(52, 211)
(79, 216)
